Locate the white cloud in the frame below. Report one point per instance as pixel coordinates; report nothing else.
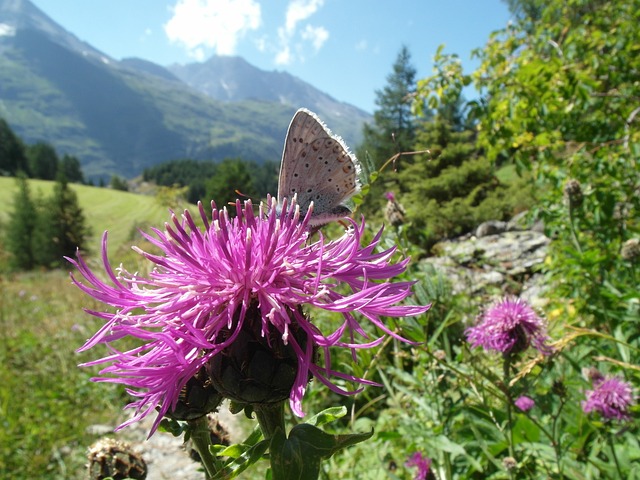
(199, 25)
(283, 57)
(316, 35)
(299, 11)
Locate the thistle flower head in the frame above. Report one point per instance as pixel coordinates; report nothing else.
(423, 463)
(611, 397)
(211, 280)
(509, 326)
(524, 403)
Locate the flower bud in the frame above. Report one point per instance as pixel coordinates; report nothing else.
(631, 250)
(573, 193)
(116, 459)
(256, 368)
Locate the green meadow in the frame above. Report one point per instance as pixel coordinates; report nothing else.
(121, 213)
(46, 401)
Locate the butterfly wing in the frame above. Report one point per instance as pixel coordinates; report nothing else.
(318, 167)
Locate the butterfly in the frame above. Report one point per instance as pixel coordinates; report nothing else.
(317, 167)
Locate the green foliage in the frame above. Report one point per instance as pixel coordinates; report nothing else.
(118, 183)
(47, 403)
(393, 123)
(230, 176)
(43, 161)
(70, 168)
(21, 228)
(451, 190)
(12, 154)
(64, 226)
(41, 235)
(104, 208)
(207, 180)
(565, 107)
(181, 172)
(393, 127)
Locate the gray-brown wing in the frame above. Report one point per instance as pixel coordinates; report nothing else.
(317, 166)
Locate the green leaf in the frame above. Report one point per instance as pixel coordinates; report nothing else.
(327, 416)
(300, 455)
(245, 456)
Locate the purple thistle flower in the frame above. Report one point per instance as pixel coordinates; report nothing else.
(509, 326)
(611, 397)
(209, 281)
(524, 403)
(423, 463)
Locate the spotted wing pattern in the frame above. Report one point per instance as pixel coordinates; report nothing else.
(318, 167)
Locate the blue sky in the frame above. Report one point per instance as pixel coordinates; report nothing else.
(345, 48)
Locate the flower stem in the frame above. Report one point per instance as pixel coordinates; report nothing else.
(613, 453)
(270, 417)
(507, 374)
(201, 437)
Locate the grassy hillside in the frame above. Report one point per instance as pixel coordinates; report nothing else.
(118, 212)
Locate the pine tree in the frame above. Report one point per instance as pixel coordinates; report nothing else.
(453, 188)
(231, 175)
(118, 183)
(63, 225)
(43, 161)
(23, 221)
(70, 168)
(12, 155)
(393, 127)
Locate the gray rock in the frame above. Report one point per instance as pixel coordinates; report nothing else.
(491, 227)
(482, 265)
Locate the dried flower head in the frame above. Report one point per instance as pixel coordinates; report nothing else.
(509, 326)
(510, 463)
(631, 250)
(111, 458)
(423, 463)
(393, 212)
(573, 193)
(211, 284)
(524, 403)
(611, 397)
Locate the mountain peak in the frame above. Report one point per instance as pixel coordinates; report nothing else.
(21, 15)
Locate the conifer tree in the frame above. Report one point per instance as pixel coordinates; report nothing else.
(21, 227)
(453, 188)
(70, 168)
(12, 155)
(43, 161)
(231, 175)
(63, 225)
(393, 127)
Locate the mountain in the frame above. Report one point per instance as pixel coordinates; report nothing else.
(119, 117)
(230, 78)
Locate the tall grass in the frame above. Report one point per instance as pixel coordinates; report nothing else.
(46, 401)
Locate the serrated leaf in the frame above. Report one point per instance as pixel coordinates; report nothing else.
(300, 455)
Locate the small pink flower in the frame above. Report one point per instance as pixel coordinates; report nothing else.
(611, 397)
(509, 327)
(524, 403)
(423, 463)
(193, 304)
